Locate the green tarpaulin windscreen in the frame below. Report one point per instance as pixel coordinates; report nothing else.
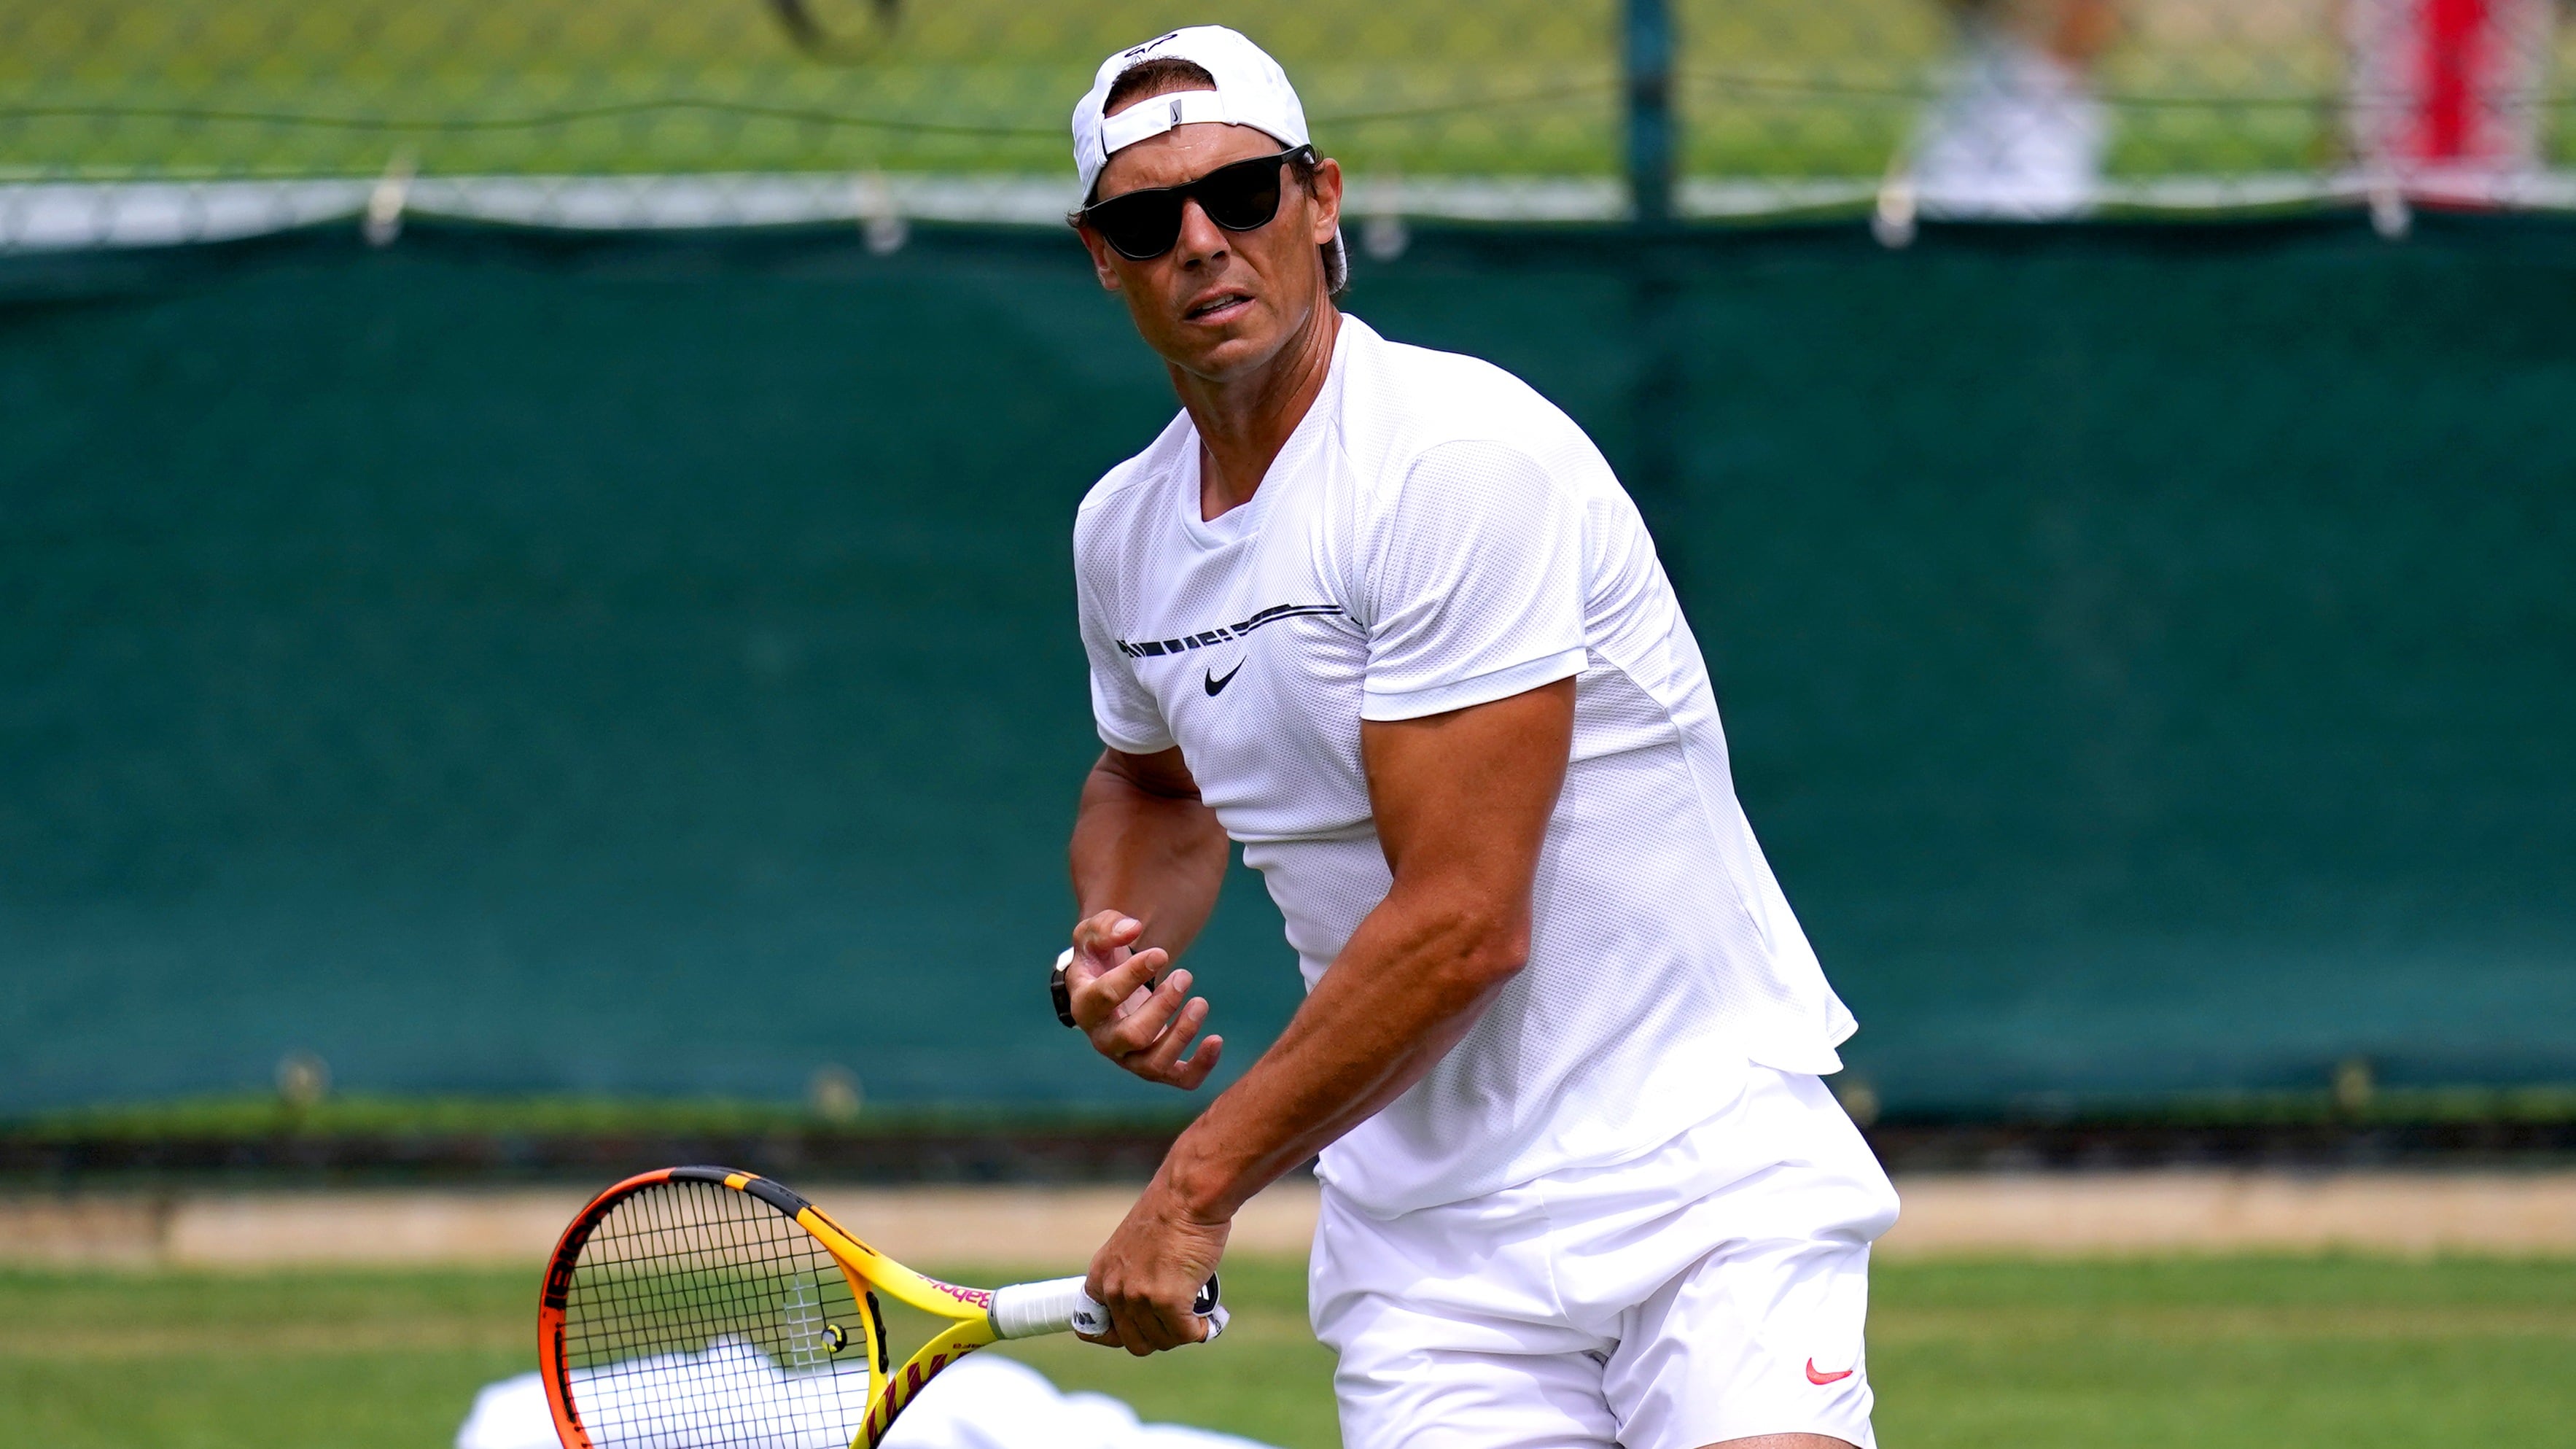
(517, 663)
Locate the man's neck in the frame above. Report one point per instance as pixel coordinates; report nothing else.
(1244, 421)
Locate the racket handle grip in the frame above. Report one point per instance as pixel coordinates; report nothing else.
(1058, 1305)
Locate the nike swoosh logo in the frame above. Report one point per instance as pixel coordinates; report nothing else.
(1814, 1377)
(1216, 686)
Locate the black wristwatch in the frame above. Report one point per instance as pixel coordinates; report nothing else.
(1062, 993)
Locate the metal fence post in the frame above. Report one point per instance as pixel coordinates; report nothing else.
(1649, 58)
(1658, 397)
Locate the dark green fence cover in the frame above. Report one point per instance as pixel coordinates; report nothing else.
(515, 662)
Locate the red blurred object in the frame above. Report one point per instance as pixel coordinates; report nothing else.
(2447, 95)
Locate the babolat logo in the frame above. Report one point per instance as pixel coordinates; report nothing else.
(974, 1297)
(1150, 648)
(1148, 45)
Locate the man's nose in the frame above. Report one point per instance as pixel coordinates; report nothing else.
(1201, 240)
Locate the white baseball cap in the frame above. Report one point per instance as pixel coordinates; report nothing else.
(1251, 90)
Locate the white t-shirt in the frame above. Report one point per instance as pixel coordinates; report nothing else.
(1436, 535)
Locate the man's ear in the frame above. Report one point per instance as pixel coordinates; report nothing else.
(1100, 267)
(1328, 199)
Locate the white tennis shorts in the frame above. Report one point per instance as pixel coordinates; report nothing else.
(1711, 1290)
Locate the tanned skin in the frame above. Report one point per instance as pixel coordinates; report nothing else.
(1245, 325)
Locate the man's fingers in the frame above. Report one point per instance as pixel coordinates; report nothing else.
(1167, 1325)
(1141, 969)
(1144, 1327)
(1101, 933)
(1187, 1075)
(1131, 1331)
(1141, 1328)
(1104, 928)
(1149, 1274)
(1098, 948)
(1158, 1058)
(1098, 1000)
(1143, 1026)
(1126, 1330)
(1141, 1022)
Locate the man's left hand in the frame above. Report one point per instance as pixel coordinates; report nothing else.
(1149, 1272)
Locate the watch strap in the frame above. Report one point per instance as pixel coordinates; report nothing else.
(1060, 989)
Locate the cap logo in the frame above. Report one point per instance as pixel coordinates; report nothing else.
(1149, 45)
(1176, 113)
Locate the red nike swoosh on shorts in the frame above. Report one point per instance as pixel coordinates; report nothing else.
(1814, 1377)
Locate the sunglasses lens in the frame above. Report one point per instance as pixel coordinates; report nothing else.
(1242, 196)
(1143, 225)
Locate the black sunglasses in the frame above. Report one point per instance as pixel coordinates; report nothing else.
(1241, 196)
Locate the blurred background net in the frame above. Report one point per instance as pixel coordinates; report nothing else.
(735, 111)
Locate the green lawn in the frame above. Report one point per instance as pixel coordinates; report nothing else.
(2355, 1354)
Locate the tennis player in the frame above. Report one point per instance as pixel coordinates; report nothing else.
(1384, 616)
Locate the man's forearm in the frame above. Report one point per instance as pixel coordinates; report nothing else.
(1409, 985)
(1158, 857)
(1461, 801)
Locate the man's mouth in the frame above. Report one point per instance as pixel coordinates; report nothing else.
(1217, 304)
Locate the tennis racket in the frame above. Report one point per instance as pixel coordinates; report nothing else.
(694, 1307)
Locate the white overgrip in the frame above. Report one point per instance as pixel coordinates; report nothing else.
(1058, 1305)
(1025, 1310)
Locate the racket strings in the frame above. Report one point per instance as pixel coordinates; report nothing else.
(698, 1317)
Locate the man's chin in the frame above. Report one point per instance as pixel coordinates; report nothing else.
(1227, 353)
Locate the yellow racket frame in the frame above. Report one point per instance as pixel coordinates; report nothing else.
(970, 1311)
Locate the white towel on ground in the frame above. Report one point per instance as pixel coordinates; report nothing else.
(982, 1402)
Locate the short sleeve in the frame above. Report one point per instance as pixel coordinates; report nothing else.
(1121, 708)
(1476, 590)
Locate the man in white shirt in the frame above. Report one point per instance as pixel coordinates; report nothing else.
(1384, 616)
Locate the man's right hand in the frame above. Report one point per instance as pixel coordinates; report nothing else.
(1141, 1026)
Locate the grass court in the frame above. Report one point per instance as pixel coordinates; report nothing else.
(2214, 1353)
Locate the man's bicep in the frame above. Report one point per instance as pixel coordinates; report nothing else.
(1467, 794)
(1161, 773)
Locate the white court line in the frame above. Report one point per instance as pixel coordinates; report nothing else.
(2074, 1214)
